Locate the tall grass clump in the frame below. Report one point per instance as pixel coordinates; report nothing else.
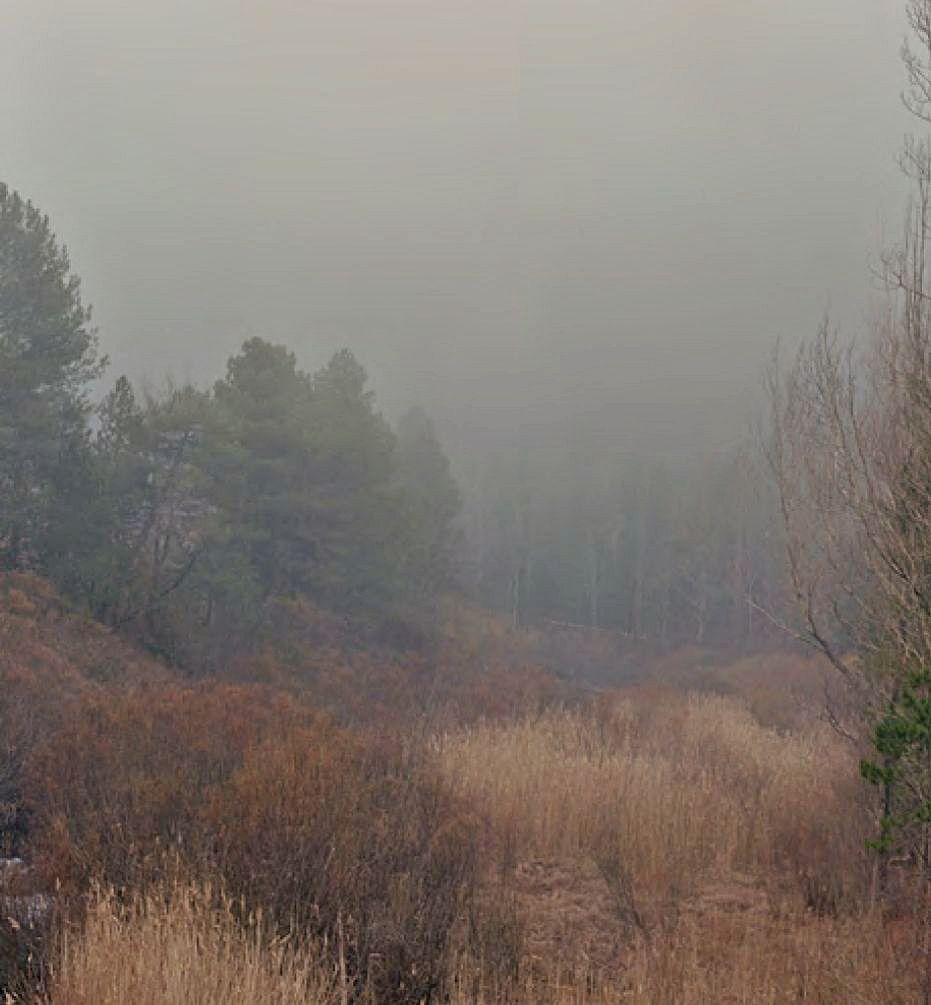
(666, 794)
(181, 944)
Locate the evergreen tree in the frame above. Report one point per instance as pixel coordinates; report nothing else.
(48, 357)
(261, 468)
(300, 469)
(432, 503)
(120, 504)
(358, 506)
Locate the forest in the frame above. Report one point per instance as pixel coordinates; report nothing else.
(307, 698)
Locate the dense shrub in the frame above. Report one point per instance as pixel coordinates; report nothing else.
(471, 668)
(354, 842)
(340, 836)
(127, 773)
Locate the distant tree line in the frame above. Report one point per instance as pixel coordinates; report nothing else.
(674, 551)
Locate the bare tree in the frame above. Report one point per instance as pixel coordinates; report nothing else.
(850, 449)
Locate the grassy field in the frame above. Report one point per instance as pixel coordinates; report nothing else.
(657, 847)
(697, 837)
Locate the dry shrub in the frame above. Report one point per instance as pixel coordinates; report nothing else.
(127, 773)
(182, 945)
(50, 659)
(471, 667)
(48, 646)
(783, 688)
(664, 793)
(351, 841)
(342, 836)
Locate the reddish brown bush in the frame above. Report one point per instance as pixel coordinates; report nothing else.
(473, 666)
(339, 836)
(127, 773)
(353, 842)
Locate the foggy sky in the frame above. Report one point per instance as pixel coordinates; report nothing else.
(544, 215)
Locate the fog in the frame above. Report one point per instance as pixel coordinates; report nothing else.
(546, 218)
(407, 543)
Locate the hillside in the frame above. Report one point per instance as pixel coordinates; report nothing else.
(530, 838)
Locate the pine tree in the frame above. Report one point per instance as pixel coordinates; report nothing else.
(48, 357)
(432, 503)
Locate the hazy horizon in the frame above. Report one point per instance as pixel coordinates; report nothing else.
(531, 218)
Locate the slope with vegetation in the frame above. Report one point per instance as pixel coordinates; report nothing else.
(648, 844)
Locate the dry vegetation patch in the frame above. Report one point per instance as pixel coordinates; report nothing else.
(663, 796)
(668, 849)
(650, 846)
(571, 918)
(183, 945)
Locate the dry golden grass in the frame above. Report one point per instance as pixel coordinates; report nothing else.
(675, 792)
(735, 852)
(721, 960)
(181, 946)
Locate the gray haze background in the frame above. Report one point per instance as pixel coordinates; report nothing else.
(547, 219)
